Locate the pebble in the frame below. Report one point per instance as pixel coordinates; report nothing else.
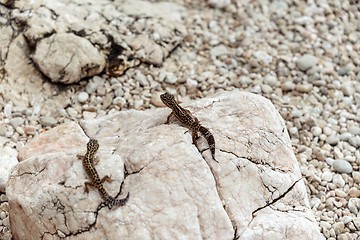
(218, 51)
(355, 141)
(338, 227)
(83, 97)
(17, 121)
(306, 62)
(342, 166)
(263, 56)
(316, 131)
(345, 136)
(338, 180)
(354, 130)
(2, 215)
(327, 176)
(8, 110)
(333, 140)
(48, 121)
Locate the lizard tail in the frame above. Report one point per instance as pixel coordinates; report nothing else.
(111, 201)
(210, 139)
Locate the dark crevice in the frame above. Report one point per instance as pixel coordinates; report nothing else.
(275, 200)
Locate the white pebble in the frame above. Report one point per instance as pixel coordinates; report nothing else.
(83, 97)
(327, 176)
(307, 61)
(342, 166)
(354, 130)
(316, 131)
(338, 180)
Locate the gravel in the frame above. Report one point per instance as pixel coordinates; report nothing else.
(302, 56)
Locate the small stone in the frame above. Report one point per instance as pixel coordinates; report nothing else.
(355, 141)
(356, 177)
(29, 130)
(342, 166)
(266, 89)
(8, 110)
(345, 136)
(354, 205)
(354, 130)
(304, 88)
(119, 101)
(191, 84)
(219, 3)
(155, 100)
(2, 215)
(340, 193)
(141, 78)
(316, 131)
(48, 121)
(348, 89)
(263, 57)
(338, 227)
(327, 176)
(338, 180)
(83, 97)
(354, 192)
(170, 78)
(306, 62)
(333, 140)
(17, 121)
(218, 51)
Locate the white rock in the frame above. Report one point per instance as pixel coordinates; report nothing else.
(67, 58)
(218, 51)
(338, 227)
(338, 180)
(83, 97)
(306, 62)
(354, 130)
(333, 140)
(219, 3)
(8, 159)
(354, 205)
(316, 131)
(355, 141)
(263, 57)
(342, 166)
(327, 176)
(176, 186)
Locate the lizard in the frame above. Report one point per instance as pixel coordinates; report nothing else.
(185, 117)
(88, 164)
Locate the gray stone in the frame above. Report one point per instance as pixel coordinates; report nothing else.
(8, 159)
(48, 121)
(354, 130)
(218, 51)
(306, 61)
(355, 141)
(342, 166)
(17, 121)
(333, 140)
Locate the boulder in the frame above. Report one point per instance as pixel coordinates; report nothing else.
(254, 191)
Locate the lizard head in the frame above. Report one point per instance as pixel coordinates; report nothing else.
(168, 99)
(93, 145)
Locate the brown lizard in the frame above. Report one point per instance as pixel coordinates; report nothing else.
(185, 117)
(88, 163)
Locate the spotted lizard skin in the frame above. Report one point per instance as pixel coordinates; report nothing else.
(88, 163)
(184, 116)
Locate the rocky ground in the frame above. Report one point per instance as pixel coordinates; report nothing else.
(303, 56)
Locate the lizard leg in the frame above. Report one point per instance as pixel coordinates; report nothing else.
(86, 187)
(106, 178)
(80, 157)
(168, 118)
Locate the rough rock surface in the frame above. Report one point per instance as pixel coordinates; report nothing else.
(254, 192)
(64, 32)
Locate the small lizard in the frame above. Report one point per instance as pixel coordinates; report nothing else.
(185, 117)
(88, 163)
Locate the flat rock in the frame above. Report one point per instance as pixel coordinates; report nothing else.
(255, 191)
(306, 61)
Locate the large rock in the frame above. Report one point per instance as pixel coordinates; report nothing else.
(254, 192)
